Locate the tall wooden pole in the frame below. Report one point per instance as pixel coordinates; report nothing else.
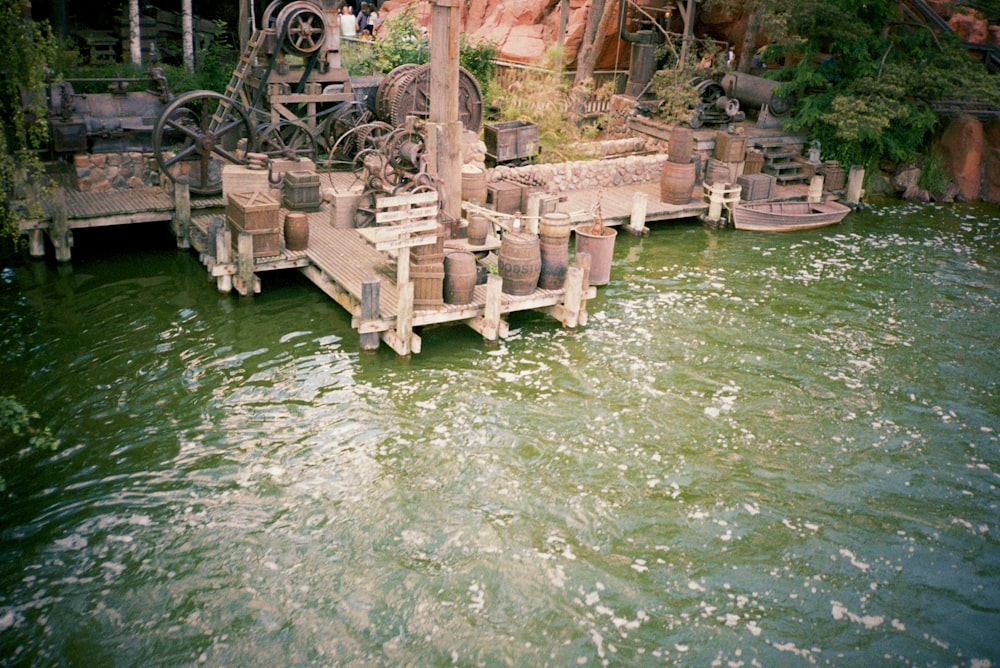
(445, 127)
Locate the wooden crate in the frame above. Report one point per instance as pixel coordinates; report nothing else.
(301, 191)
(504, 196)
(428, 284)
(265, 242)
(510, 140)
(756, 186)
(729, 147)
(253, 211)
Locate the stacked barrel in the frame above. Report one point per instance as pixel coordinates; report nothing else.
(678, 174)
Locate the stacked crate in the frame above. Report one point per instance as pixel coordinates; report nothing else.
(255, 213)
(756, 187)
(427, 270)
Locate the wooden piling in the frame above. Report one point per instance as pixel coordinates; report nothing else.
(637, 222)
(223, 256)
(59, 232)
(855, 179)
(182, 214)
(370, 298)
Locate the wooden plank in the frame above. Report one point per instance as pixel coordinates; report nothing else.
(384, 217)
(430, 197)
(376, 235)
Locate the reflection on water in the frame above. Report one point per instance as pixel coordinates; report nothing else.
(762, 450)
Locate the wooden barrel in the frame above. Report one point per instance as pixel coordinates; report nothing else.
(478, 229)
(459, 277)
(296, 231)
(555, 262)
(473, 185)
(680, 148)
(717, 172)
(677, 182)
(554, 227)
(519, 263)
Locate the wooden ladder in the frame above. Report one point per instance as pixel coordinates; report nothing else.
(235, 88)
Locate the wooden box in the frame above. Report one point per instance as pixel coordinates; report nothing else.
(756, 186)
(265, 242)
(428, 284)
(729, 147)
(504, 196)
(253, 211)
(510, 140)
(301, 191)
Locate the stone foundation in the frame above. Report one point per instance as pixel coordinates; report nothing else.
(101, 172)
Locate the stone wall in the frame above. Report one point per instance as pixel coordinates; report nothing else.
(101, 172)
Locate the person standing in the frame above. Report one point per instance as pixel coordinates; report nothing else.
(348, 23)
(364, 23)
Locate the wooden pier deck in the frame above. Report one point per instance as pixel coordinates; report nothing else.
(347, 266)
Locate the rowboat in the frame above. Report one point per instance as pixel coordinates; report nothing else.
(787, 216)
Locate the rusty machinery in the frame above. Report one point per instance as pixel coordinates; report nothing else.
(116, 121)
(289, 96)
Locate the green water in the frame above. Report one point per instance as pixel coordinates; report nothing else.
(763, 450)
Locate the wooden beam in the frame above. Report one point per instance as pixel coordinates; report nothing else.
(370, 295)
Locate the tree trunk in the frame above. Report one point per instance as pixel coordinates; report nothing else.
(187, 35)
(586, 56)
(749, 41)
(134, 36)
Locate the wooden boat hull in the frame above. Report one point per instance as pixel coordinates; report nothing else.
(787, 216)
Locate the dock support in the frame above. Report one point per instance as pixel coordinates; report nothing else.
(402, 339)
(246, 282)
(491, 313)
(224, 255)
(721, 196)
(59, 232)
(855, 179)
(637, 222)
(815, 189)
(182, 214)
(36, 243)
(371, 290)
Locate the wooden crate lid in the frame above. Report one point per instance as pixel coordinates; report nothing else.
(255, 199)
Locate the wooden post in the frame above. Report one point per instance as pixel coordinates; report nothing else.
(224, 255)
(371, 289)
(637, 222)
(573, 296)
(855, 179)
(815, 189)
(583, 261)
(445, 20)
(244, 264)
(36, 243)
(59, 231)
(491, 313)
(715, 200)
(404, 319)
(182, 214)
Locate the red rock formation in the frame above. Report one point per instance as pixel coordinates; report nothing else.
(524, 29)
(970, 27)
(962, 149)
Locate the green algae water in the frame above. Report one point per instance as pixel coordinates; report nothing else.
(763, 450)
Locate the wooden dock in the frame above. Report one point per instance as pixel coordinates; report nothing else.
(364, 271)
(355, 269)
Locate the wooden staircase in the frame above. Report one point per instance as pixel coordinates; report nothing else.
(781, 159)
